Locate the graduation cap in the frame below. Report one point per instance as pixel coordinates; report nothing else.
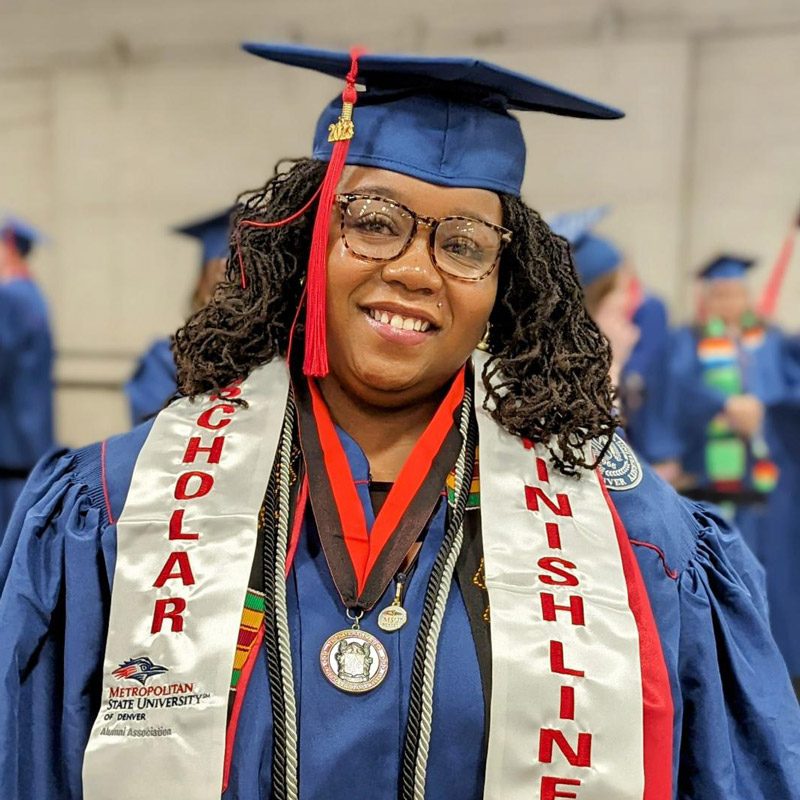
(593, 255)
(726, 266)
(446, 121)
(213, 233)
(22, 235)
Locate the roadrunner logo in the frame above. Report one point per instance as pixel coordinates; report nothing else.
(138, 669)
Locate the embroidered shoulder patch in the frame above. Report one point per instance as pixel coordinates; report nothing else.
(620, 468)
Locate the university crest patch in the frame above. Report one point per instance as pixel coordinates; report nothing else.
(620, 468)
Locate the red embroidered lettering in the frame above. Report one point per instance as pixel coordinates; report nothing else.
(204, 487)
(550, 791)
(205, 420)
(228, 393)
(529, 445)
(557, 661)
(553, 535)
(195, 447)
(567, 703)
(581, 757)
(179, 560)
(561, 505)
(175, 525)
(170, 608)
(558, 567)
(575, 608)
(541, 470)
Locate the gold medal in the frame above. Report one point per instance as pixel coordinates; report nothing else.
(393, 617)
(353, 660)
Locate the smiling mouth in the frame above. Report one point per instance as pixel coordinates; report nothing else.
(399, 321)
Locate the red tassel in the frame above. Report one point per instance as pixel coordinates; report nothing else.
(768, 301)
(251, 223)
(315, 363)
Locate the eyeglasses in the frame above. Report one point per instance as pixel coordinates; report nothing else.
(378, 229)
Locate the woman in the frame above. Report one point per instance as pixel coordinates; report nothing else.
(405, 622)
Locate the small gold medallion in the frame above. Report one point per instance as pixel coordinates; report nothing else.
(354, 661)
(392, 618)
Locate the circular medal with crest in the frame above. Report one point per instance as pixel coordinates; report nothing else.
(354, 661)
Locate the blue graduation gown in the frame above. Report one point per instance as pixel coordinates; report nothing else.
(153, 383)
(781, 548)
(693, 406)
(737, 724)
(649, 426)
(26, 386)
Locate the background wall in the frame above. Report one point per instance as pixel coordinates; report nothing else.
(119, 119)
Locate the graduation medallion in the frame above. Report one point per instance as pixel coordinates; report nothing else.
(354, 661)
(361, 560)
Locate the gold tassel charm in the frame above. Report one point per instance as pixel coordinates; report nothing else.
(343, 129)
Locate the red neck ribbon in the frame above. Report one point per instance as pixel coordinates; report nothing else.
(365, 548)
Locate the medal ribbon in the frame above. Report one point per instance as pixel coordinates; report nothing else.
(338, 510)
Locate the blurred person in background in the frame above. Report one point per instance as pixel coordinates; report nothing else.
(387, 544)
(780, 549)
(725, 371)
(26, 363)
(154, 381)
(635, 323)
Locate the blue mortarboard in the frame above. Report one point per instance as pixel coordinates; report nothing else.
(575, 225)
(24, 235)
(443, 120)
(726, 266)
(592, 255)
(213, 232)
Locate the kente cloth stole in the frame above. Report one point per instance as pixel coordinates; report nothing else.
(579, 699)
(732, 463)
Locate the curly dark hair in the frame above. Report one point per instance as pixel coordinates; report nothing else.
(549, 365)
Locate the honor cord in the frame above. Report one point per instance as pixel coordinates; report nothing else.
(420, 712)
(281, 612)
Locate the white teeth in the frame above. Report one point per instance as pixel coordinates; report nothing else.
(399, 322)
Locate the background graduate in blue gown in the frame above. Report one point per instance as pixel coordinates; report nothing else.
(26, 361)
(780, 544)
(726, 371)
(736, 726)
(636, 323)
(154, 381)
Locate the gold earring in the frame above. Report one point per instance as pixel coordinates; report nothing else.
(483, 344)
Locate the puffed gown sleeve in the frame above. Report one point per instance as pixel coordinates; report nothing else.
(741, 726)
(55, 563)
(737, 721)
(153, 383)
